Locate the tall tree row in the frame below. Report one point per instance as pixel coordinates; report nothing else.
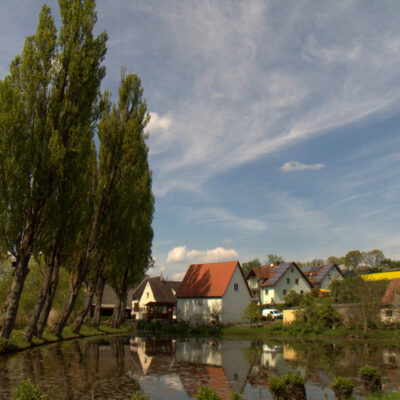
(59, 199)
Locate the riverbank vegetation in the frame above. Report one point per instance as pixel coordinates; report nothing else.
(75, 213)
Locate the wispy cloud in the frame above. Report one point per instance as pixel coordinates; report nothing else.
(298, 166)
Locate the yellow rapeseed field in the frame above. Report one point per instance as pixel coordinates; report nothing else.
(381, 276)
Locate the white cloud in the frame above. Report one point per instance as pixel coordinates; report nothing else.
(181, 254)
(159, 123)
(298, 166)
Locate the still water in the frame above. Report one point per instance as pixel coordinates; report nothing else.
(116, 367)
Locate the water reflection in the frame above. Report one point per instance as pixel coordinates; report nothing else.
(116, 367)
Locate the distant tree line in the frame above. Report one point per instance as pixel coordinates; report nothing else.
(364, 261)
(71, 209)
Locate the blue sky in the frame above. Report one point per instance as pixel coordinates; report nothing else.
(275, 125)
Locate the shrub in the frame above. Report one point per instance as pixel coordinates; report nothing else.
(207, 393)
(342, 387)
(28, 391)
(370, 379)
(138, 396)
(287, 387)
(235, 396)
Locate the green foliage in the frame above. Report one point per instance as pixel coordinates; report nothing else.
(235, 396)
(252, 313)
(274, 259)
(28, 391)
(371, 379)
(138, 396)
(387, 396)
(247, 266)
(342, 387)
(287, 387)
(207, 393)
(293, 299)
(353, 258)
(313, 316)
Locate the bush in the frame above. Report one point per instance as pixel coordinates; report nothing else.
(138, 396)
(28, 391)
(342, 387)
(370, 379)
(235, 396)
(313, 316)
(207, 393)
(287, 387)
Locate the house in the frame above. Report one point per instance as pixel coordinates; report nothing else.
(155, 298)
(254, 279)
(321, 276)
(280, 280)
(216, 291)
(390, 303)
(108, 302)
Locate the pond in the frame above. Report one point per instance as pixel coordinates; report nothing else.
(116, 367)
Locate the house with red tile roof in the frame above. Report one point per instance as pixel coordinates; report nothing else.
(212, 290)
(390, 303)
(280, 280)
(321, 276)
(254, 279)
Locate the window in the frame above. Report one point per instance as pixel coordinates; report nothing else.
(266, 292)
(284, 291)
(389, 313)
(235, 376)
(297, 281)
(288, 280)
(292, 270)
(148, 294)
(236, 287)
(301, 292)
(200, 302)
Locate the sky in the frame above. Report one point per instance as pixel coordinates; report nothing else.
(275, 126)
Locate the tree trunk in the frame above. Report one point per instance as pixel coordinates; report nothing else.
(119, 309)
(11, 303)
(68, 308)
(99, 299)
(80, 318)
(31, 327)
(44, 315)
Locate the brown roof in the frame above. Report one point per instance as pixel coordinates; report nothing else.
(162, 290)
(262, 272)
(207, 280)
(392, 290)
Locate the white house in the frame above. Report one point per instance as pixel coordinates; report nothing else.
(212, 290)
(280, 281)
(321, 276)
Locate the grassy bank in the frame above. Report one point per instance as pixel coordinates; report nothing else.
(16, 342)
(274, 329)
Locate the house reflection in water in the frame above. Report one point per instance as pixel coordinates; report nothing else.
(185, 365)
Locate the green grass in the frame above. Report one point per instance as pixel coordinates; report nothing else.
(388, 396)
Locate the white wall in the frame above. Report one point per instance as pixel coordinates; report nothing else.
(235, 301)
(276, 293)
(197, 311)
(147, 297)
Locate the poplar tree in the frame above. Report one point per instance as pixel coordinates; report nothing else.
(46, 118)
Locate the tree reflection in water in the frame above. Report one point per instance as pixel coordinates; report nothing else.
(105, 368)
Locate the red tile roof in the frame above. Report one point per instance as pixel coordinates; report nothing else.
(207, 280)
(392, 290)
(262, 272)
